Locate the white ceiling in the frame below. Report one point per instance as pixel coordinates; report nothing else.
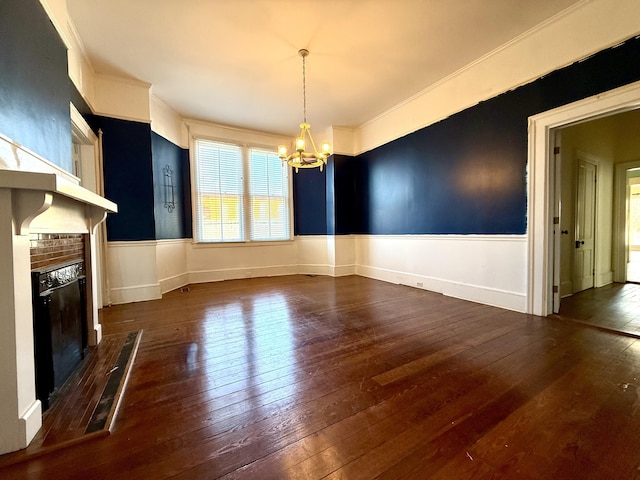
(235, 62)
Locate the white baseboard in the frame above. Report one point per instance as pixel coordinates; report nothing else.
(205, 276)
(31, 422)
(489, 296)
(311, 269)
(174, 282)
(329, 270)
(138, 293)
(95, 336)
(344, 270)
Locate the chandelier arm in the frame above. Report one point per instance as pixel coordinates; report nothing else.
(313, 144)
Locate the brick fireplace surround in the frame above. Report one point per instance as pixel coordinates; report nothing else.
(36, 207)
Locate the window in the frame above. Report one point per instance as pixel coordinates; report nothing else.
(242, 193)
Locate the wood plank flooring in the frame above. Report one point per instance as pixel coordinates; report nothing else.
(614, 307)
(351, 378)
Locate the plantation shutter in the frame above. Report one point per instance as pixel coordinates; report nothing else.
(268, 196)
(219, 192)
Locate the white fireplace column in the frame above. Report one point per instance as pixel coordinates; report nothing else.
(34, 203)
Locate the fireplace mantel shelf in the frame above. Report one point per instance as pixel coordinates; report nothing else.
(35, 193)
(50, 182)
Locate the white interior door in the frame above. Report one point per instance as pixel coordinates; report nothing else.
(583, 265)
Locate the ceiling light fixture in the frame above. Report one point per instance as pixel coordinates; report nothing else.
(301, 158)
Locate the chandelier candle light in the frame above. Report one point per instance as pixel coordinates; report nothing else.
(302, 158)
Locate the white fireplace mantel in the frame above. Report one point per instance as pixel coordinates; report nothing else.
(35, 202)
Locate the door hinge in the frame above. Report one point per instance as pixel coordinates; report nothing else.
(556, 150)
(556, 289)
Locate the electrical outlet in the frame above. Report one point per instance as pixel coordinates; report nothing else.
(419, 284)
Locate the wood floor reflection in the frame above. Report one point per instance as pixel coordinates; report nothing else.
(352, 378)
(613, 307)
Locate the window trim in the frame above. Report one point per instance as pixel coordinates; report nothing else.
(245, 147)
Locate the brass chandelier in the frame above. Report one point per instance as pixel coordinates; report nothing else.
(301, 157)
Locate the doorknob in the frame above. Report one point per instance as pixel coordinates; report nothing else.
(565, 232)
(579, 242)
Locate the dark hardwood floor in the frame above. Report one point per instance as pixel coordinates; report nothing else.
(614, 307)
(351, 378)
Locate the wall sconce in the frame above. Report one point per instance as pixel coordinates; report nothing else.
(169, 196)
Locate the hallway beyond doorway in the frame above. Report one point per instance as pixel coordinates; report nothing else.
(633, 267)
(612, 307)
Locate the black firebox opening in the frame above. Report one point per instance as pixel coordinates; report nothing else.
(59, 325)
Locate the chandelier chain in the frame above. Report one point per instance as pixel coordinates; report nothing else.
(304, 87)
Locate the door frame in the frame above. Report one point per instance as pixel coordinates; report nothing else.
(91, 178)
(541, 178)
(620, 253)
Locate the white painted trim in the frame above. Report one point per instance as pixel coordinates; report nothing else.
(475, 293)
(450, 237)
(80, 127)
(171, 241)
(539, 231)
(137, 293)
(133, 243)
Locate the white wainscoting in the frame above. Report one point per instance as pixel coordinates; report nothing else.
(215, 262)
(171, 258)
(132, 271)
(489, 269)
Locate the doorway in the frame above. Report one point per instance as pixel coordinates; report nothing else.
(545, 228)
(633, 225)
(590, 201)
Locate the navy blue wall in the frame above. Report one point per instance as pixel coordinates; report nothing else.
(34, 83)
(170, 224)
(463, 175)
(128, 177)
(324, 200)
(310, 202)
